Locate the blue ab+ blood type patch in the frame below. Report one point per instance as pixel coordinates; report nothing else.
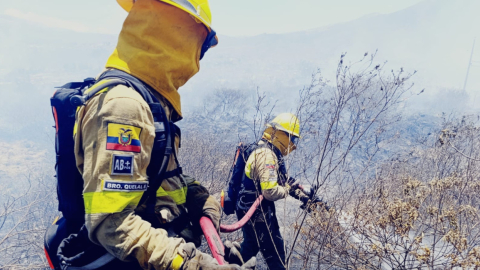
(122, 165)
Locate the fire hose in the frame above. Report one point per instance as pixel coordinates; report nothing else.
(239, 224)
(213, 239)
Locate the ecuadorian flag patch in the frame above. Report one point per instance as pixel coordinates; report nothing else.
(123, 138)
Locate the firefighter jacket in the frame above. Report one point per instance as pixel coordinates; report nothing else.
(266, 170)
(113, 142)
(114, 135)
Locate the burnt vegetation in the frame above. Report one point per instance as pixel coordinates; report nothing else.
(403, 189)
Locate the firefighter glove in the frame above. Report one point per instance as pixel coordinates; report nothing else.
(292, 183)
(200, 203)
(299, 195)
(232, 253)
(197, 260)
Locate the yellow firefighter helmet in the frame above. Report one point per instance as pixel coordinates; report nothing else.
(286, 122)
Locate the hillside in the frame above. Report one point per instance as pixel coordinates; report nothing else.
(433, 37)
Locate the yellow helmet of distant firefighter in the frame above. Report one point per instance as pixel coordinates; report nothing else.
(286, 122)
(198, 9)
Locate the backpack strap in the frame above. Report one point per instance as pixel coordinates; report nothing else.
(247, 183)
(78, 100)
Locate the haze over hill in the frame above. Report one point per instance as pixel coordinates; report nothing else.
(434, 37)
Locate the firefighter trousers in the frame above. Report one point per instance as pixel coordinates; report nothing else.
(263, 234)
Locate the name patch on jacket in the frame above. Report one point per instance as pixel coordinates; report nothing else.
(125, 186)
(123, 138)
(122, 165)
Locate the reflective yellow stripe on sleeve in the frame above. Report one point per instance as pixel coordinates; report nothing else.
(110, 201)
(178, 195)
(177, 262)
(268, 185)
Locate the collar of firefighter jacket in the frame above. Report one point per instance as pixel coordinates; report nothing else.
(280, 140)
(159, 44)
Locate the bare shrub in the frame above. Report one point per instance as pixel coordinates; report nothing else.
(419, 210)
(24, 216)
(346, 130)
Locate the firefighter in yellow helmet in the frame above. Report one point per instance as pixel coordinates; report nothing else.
(266, 174)
(161, 44)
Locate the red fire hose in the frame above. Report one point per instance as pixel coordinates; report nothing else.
(213, 239)
(239, 224)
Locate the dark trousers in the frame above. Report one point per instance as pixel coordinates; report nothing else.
(263, 234)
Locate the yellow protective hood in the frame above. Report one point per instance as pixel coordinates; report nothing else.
(159, 44)
(280, 140)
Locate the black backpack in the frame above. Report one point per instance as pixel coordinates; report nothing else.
(237, 173)
(69, 180)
